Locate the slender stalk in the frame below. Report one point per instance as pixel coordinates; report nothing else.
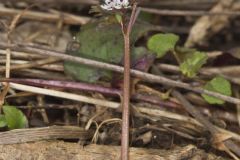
(126, 84)
(126, 97)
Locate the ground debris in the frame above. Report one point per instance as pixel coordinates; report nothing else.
(56, 150)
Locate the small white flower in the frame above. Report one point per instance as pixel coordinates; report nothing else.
(115, 4)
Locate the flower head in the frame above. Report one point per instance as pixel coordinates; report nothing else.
(115, 4)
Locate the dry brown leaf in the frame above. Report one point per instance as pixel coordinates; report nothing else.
(207, 26)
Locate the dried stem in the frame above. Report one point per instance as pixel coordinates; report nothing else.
(29, 65)
(143, 76)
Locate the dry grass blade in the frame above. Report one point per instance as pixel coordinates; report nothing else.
(48, 17)
(44, 133)
(31, 64)
(64, 95)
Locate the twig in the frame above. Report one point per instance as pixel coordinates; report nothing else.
(142, 75)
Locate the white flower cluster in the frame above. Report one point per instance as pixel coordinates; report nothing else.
(115, 4)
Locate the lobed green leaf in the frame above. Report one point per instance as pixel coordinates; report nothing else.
(162, 43)
(219, 85)
(193, 63)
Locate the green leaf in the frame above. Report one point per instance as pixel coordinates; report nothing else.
(3, 122)
(162, 43)
(219, 85)
(101, 41)
(193, 63)
(14, 117)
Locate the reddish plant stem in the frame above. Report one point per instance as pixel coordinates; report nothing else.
(126, 97)
(126, 84)
(64, 84)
